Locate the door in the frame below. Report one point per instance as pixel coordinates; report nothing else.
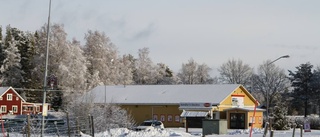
(195, 122)
(237, 120)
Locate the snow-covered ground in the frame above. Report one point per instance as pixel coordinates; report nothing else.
(181, 132)
(197, 132)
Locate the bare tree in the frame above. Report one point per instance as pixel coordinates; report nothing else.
(270, 81)
(235, 72)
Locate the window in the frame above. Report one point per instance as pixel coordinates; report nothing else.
(169, 118)
(162, 118)
(155, 117)
(17, 98)
(260, 120)
(9, 96)
(38, 109)
(15, 109)
(252, 119)
(1, 98)
(3, 109)
(237, 100)
(177, 118)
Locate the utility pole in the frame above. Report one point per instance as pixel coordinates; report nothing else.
(45, 74)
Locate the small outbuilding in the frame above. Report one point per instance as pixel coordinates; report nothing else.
(184, 105)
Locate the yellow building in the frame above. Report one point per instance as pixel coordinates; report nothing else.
(184, 105)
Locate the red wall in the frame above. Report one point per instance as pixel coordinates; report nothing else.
(16, 100)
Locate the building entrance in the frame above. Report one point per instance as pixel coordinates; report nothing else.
(237, 120)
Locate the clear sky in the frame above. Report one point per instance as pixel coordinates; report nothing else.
(209, 31)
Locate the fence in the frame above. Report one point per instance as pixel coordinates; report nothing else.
(31, 126)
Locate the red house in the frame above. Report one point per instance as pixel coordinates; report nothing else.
(12, 103)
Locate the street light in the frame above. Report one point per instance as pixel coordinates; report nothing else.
(285, 56)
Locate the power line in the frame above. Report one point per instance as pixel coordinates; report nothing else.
(28, 89)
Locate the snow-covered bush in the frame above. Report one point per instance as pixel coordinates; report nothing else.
(280, 121)
(105, 116)
(108, 116)
(314, 121)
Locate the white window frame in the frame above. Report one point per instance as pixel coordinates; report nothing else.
(15, 109)
(3, 109)
(38, 108)
(9, 97)
(1, 98)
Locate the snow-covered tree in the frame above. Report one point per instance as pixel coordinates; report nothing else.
(110, 116)
(73, 71)
(27, 51)
(145, 70)
(66, 62)
(164, 75)
(193, 73)
(125, 75)
(105, 116)
(2, 55)
(11, 68)
(280, 121)
(101, 55)
(187, 74)
(202, 74)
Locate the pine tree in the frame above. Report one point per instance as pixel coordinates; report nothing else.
(164, 75)
(11, 68)
(37, 69)
(302, 92)
(2, 55)
(280, 121)
(27, 52)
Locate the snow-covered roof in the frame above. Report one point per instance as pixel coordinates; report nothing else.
(193, 114)
(245, 109)
(161, 94)
(3, 90)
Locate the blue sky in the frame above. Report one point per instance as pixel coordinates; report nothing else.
(209, 31)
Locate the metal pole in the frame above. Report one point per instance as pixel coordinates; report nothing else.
(152, 118)
(265, 132)
(301, 131)
(68, 123)
(92, 126)
(294, 130)
(285, 56)
(46, 73)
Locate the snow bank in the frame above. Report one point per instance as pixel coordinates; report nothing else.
(121, 132)
(169, 132)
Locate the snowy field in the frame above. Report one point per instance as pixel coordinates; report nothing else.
(193, 132)
(197, 132)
